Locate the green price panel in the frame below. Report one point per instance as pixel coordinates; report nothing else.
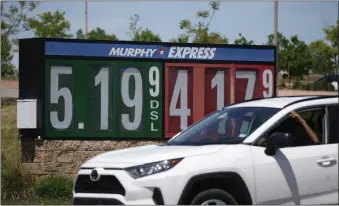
(103, 99)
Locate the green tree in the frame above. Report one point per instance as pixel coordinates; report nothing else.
(200, 32)
(96, 34)
(298, 58)
(321, 57)
(331, 35)
(15, 16)
(14, 19)
(243, 41)
(182, 38)
(294, 55)
(282, 41)
(51, 25)
(283, 44)
(137, 33)
(7, 68)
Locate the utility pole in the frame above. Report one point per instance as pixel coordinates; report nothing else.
(276, 41)
(86, 20)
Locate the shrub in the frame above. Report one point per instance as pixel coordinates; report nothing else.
(16, 182)
(323, 86)
(54, 187)
(306, 87)
(8, 101)
(297, 85)
(282, 85)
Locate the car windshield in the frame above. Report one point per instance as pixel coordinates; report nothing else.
(228, 126)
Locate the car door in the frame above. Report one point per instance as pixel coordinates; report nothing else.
(303, 174)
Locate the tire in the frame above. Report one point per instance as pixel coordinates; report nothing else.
(213, 197)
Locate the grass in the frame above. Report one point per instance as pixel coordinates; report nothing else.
(38, 201)
(10, 144)
(17, 186)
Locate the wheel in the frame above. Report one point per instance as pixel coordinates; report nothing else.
(213, 197)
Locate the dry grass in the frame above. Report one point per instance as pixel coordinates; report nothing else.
(9, 133)
(17, 185)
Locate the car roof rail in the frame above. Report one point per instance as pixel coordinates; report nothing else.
(312, 98)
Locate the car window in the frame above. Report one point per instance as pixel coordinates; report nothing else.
(333, 121)
(314, 118)
(227, 126)
(243, 125)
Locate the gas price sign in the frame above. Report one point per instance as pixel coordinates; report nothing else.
(131, 90)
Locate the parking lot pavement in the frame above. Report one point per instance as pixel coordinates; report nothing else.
(6, 92)
(9, 88)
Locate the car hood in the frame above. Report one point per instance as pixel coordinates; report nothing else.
(147, 154)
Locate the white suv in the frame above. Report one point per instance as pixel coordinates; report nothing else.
(281, 150)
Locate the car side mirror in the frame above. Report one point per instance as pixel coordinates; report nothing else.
(278, 140)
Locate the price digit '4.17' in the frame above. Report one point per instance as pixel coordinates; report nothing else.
(268, 83)
(181, 86)
(219, 82)
(251, 76)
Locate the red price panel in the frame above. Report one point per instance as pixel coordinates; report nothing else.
(217, 89)
(246, 84)
(178, 99)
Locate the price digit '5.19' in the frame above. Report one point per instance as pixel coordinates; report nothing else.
(135, 102)
(56, 93)
(102, 79)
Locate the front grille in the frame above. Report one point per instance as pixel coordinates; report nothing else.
(107, 184)
(95, 201)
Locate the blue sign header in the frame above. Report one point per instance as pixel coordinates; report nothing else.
(158, 51)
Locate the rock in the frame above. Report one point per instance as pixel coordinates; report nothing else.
(64, 156)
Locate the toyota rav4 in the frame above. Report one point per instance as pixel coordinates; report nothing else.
(280, 150)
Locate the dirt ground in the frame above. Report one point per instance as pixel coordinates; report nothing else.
(302, 92)
(10, 84)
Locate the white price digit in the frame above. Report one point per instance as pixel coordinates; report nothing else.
(251, 76)
(268, 83)
(154, 81)
(136, 102)
(102, 78)
(56, 93)
(219, 82)
(180, 87)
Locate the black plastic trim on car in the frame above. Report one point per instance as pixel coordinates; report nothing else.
(107, 184)
(189, 186)
(95, 201)
(157, 197)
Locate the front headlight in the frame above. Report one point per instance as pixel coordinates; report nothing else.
(152, 168)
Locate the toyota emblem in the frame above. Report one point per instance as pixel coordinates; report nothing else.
(95, 176)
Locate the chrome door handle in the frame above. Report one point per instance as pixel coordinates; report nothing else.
(326, 161)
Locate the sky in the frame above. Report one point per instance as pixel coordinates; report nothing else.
(253, 19)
